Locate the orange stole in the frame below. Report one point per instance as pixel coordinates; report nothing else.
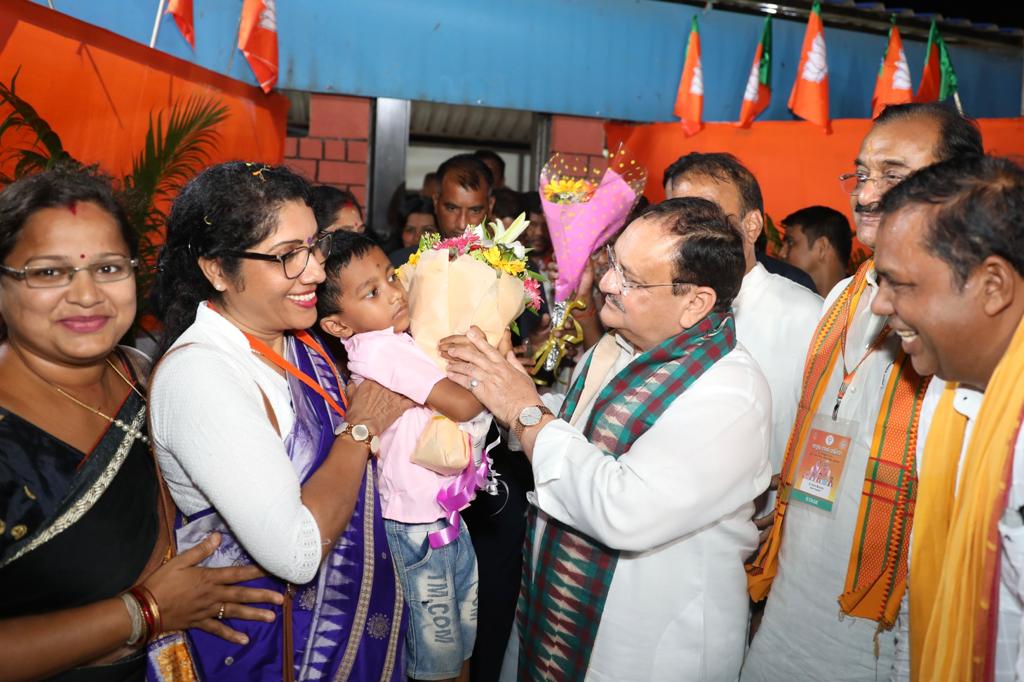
(876, 575)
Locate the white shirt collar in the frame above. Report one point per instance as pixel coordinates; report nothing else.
(220, 328)
(967, 401)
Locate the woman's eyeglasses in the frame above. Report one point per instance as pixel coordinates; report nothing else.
(52, 276)
(295, 261)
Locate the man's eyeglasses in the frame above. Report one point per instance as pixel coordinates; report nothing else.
(295, 261)
(853, 183)
(52, 276)
(624, 284)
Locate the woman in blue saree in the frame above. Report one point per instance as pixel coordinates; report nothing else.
(258, 441)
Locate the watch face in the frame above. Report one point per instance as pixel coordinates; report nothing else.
(530, 416)
(360, 432)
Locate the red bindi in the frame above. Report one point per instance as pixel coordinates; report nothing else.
(82, 256)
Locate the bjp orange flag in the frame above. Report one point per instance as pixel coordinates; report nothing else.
(690, 96)
(809, 99)
(758, 92)
(257, 39)
(181, 11)
(893, 84)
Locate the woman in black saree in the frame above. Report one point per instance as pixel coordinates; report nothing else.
(82, 511)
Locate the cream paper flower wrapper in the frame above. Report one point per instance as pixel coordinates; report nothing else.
(449, 296)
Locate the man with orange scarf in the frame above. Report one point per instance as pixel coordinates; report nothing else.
(950, 266)
(835, 560)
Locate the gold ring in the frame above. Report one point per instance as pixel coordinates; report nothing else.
(220, 614)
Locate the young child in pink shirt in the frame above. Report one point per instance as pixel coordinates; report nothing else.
(363, 303)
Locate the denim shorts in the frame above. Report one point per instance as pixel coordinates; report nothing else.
(440, 588)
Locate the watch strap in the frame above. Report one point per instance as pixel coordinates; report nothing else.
(517, 427)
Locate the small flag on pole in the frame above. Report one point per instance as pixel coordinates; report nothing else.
(257, 39)
(809, 99)
(690, 97)
(758, 92)
(893, 83)
(181, 10)
(938, 81)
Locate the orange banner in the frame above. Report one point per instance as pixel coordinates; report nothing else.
(796, 164)
(97, 90)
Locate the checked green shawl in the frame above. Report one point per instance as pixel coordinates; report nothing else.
(562, 597)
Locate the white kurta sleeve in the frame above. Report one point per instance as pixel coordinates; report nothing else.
(209, 418)
(706, 456)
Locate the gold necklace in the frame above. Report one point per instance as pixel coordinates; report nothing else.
(127, 428)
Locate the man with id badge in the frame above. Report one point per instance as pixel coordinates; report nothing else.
(950, 266)
(835, 560)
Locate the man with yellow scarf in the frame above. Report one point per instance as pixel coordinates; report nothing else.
(835, 560)
(950, 264)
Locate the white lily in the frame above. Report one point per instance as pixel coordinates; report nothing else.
(508, 236)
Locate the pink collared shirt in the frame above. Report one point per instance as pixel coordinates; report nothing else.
(407, 491)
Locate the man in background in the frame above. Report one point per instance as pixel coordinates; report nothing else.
(818, 241)
(775, 317)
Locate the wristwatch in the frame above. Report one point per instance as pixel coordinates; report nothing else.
(360, 433)
(528, 416)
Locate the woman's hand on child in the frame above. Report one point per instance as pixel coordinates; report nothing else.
(375, 406)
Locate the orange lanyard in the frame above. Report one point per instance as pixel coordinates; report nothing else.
(274, 357)
(849, 374)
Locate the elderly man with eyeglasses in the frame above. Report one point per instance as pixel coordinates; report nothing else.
(835, 561)
(647, 476)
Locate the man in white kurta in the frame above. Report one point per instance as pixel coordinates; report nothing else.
(677, 506)
(775, 317)
(973, 208)
(804, 635)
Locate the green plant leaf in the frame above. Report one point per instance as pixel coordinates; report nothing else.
(47, 150)
(172, 154)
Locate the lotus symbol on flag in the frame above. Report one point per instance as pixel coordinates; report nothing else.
(901, 79)
(697, 85)
(750, 93)
(816, 66)
(268, 17)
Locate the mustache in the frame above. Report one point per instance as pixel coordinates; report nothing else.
(870, 209)
(614, 301)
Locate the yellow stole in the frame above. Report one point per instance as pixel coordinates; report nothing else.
(877, 570)
(955, 563)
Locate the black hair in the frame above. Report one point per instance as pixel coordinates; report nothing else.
(977, 210)
(487, 154)
(326, 201)
(59, 187)
(414, 203)
(508, 203)
(533, 204)
(228, 207)
(344, 247)
(822, 221)
(62, 186)
(710, 249)
(467, 170)
(720, 167)
(958, 136)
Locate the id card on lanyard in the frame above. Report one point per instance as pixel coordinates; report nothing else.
(826, 449)
(822, 462)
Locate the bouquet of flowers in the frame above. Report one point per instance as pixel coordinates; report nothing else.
(584, 209)
(478, 278)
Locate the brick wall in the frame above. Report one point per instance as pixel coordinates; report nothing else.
(580, 140)
(336, 151)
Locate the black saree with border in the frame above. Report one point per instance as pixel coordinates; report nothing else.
(77, 527)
